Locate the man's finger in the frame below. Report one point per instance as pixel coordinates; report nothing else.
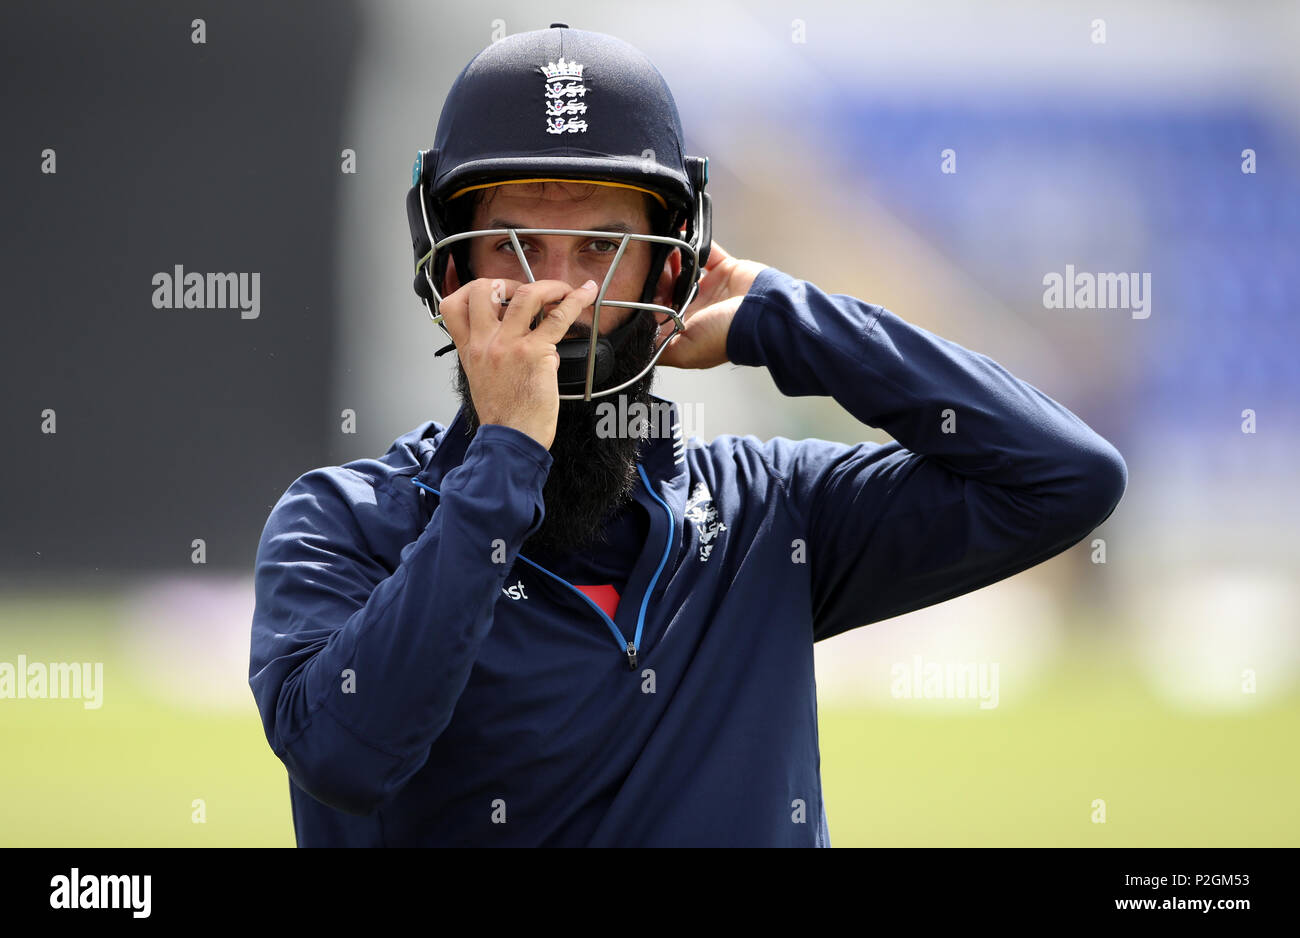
(485, 306)
(717, 254)
(556, 322)
(454, 310)
(525, 302)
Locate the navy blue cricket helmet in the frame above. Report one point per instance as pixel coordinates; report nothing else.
(563, 104)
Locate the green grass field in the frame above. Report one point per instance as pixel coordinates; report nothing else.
(128, 773)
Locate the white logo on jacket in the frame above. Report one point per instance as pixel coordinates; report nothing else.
(516, 591)
(701, 512)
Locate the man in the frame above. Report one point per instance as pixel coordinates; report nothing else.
(524, 628)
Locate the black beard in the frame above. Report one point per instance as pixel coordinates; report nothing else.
(591, 478)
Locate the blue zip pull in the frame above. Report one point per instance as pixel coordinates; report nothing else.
(631, 657)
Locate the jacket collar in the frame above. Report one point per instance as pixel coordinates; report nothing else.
(663, 457)
(664, 462)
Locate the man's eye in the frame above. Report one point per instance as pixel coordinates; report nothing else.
(609, 248)
(510, 248)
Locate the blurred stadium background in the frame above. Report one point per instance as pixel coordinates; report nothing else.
(824, 124)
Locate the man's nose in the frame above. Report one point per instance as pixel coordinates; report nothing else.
(555, 265)
(566, 270)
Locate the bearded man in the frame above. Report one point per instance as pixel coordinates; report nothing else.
(520, 628)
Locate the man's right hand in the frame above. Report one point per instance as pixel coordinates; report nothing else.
(513, 369)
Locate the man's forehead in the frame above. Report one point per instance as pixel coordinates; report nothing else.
(578, 205)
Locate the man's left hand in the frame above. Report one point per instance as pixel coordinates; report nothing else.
(708, 318)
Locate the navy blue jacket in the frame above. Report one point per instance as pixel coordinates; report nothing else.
(425, 684)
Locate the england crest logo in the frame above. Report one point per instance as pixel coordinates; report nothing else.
(701, 512)
(564, 97)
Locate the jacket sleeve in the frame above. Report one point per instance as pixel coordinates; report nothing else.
(357, 668)
(987, 476)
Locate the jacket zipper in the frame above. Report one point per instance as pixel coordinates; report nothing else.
(626, 648)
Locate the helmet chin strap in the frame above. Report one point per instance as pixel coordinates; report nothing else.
(573, 358)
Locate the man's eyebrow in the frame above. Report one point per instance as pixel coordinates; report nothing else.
(619, 226)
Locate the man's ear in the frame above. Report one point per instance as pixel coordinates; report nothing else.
(668, 277)
(450, 280)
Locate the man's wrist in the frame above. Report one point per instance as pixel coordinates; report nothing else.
(527, 445)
